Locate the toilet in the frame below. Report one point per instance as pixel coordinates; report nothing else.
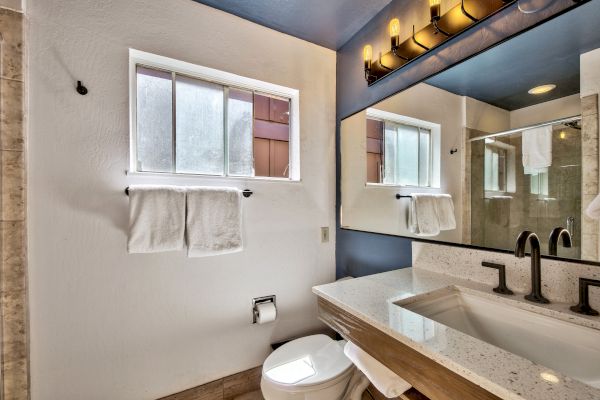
(310, 368)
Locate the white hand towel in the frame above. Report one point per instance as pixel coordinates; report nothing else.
(156, 218)
(537, 149)
(422, 217)
(593, 209)
(445, 212)
(386, 381)
(214, 221)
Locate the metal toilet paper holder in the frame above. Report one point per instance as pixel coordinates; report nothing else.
(261, 300)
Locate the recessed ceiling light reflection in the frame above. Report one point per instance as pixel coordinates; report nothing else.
(548, 377)
(542, 89)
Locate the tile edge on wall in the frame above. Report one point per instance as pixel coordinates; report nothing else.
(13, 270)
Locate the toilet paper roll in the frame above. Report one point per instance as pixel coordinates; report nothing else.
(265, 312)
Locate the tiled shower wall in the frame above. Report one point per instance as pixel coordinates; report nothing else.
(13, 268)
(589, 175)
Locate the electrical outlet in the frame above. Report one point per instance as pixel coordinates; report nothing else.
(324, 234)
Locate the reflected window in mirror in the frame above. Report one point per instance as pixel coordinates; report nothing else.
(402, 151)
(499, 167)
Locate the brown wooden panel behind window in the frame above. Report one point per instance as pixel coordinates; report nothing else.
(261, 107)
(279, 111)
(261, 157)
(271, 136)
(374, 150)
(374, 129)
(280, 156)
(271, 130)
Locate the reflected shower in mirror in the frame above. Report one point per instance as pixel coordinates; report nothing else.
(510, 136)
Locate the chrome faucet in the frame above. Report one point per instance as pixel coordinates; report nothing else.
(555, 236)
(536, 263)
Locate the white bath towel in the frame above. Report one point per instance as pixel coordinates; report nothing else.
(422, 216)
(386, 381)
(357, 386)
(593, 209)
(214, 221)
(444, 207)
(537, 149)
(156, 218)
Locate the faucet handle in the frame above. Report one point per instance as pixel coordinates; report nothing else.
(584, 297)
(502, 288)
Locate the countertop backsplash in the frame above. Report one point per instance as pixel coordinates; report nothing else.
(560, 279)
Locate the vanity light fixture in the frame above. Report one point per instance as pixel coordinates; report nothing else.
(456, 20)
(542, 89)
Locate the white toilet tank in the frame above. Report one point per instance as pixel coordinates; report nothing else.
(310, 368)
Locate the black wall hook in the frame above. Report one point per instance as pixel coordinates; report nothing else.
(82, 90)
(453, 150)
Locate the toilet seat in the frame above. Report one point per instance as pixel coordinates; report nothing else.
(310, 363)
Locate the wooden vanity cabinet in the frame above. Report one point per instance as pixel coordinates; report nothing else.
(427, 377)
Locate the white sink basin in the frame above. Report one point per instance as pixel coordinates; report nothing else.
(571, 349)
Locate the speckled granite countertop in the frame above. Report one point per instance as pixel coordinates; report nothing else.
(500, 372)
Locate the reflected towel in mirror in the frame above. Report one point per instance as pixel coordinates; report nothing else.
(537, 149)
(422, 215)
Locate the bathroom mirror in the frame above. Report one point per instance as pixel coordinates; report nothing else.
(510, 134)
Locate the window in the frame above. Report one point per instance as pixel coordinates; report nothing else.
(499, 167)
(188, 119)
(495, 168)
(402, 151)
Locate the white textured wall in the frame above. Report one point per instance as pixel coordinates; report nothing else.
(108, 325)
(563, 107)
(590, 73)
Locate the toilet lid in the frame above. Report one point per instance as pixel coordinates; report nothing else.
(307, 361)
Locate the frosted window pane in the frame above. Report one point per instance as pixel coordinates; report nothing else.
(424, 162)
(154, 120)
(199, 121)
(239, 127)
(408, 155)
(390, 154)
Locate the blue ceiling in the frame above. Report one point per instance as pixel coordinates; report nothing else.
(329, 23)
(546, 54)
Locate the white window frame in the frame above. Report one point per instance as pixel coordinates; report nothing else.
(435, 145)
(141, 58)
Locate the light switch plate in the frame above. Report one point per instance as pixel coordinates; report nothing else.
(324, 234)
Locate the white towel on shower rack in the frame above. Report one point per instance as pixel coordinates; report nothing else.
(537, 149)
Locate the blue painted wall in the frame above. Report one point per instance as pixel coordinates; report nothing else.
(359, 253)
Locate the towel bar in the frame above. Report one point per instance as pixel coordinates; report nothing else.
(245, 192)
(403, 196)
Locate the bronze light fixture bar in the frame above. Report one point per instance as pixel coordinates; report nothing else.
(441, 28)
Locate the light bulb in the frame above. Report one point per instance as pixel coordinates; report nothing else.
(368, 56)
(394, 27)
